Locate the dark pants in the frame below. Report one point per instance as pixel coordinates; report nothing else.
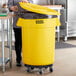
(18, 43)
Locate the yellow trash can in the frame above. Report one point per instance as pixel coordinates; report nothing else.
(38, 41)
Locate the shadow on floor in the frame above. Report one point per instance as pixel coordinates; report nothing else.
(62, 45)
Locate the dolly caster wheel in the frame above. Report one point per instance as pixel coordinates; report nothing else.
(28, 70)
(32, 68)
(41, 71)
(51, 69)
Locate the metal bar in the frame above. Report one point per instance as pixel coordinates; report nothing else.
(4, 60)
(2, 37)
(58, 28)
(10, 41)
(8, 32)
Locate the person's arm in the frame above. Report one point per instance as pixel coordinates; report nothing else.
(10, 3)
(11, 6)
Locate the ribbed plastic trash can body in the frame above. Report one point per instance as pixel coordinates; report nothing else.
(38, 46)
(38, 40)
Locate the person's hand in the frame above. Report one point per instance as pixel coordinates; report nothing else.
(14, 8)
(26, 1)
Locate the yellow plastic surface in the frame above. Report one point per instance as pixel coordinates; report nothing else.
(33, 23)
(38, 46)
(38, 40)
(38, 9)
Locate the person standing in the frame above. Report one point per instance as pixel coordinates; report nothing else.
(12, 5)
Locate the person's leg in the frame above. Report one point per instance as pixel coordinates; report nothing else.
(18, 44)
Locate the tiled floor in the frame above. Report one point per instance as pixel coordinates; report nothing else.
(65, 64)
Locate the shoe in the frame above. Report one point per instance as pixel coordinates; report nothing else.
(18, 64)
